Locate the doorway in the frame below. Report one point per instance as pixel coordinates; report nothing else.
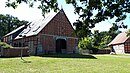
(60, 45)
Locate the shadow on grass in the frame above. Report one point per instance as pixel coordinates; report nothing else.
(69, 56)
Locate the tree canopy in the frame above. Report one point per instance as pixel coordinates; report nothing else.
(9, 23)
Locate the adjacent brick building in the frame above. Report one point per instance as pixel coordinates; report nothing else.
(53, 34)
(121, 43)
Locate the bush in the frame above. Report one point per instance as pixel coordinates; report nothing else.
(85, 43)
(5, 45)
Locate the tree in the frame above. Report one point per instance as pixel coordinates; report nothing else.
(105, 41)
(114, 31)
(45, 5)
(90, 11)
(98, 40)
(128, 32)
(9, 23)
(102, 39)
(94, 39)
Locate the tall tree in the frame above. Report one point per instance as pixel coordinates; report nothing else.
(114, 31)
(105, 41)
(9, 23)
(96, 38)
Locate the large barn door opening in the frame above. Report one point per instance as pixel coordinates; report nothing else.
(60, 45)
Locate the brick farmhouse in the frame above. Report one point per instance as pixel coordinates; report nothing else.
(53, 34)
(120, 44)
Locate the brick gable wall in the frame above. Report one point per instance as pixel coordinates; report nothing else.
(58, 26)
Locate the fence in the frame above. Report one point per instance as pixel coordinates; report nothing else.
(14, 52)
(103, 51)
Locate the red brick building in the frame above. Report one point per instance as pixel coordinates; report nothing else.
(53, 34)
(121, 43)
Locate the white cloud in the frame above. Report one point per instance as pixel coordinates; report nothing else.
(23, 12)
(102, 26)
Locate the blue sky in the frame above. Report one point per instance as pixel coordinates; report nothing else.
(23, 12)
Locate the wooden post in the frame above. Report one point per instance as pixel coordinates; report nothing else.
(21, 54)
(22, 57)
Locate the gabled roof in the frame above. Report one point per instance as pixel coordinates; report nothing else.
(119, 39)
(36, 26)
(15, 30)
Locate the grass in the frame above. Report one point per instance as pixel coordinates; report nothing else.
(67, 64)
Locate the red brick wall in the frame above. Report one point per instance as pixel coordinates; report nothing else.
(71, 45)
(127, 46)
(48, 43)
(59, 26)
(26, 42)
(15, 52)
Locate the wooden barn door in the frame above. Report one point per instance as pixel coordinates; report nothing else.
(60, 45)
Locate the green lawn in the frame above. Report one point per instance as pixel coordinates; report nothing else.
(67, 64)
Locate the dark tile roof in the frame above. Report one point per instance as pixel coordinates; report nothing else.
(12, 32)
(36, 26)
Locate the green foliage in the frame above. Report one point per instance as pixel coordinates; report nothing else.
(9, 23)
(102, 39)
(45, 5)
(5, 45)
(81, 29)
(128, 33)
(114, 31)
(98, 40)
(94, 11)
(85, 43)
(105, 41)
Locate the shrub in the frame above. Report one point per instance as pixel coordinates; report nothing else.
(85, 43)
(88, 43)
(5, 45)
